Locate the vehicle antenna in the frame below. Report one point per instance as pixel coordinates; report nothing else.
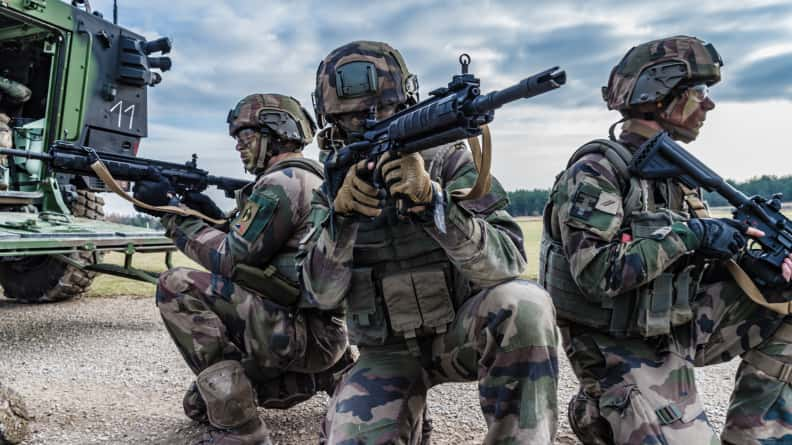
(115, 12)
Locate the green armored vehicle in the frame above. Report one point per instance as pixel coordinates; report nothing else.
(69, 76)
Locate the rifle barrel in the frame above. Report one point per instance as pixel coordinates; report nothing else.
(532, 86)
(25, 154)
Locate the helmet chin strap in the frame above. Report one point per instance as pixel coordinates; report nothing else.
(263, 155)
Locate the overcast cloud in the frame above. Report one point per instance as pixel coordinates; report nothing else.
(226, 50)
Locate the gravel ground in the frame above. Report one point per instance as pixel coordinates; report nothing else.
(104, 371)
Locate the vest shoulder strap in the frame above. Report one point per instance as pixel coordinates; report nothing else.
(306, 164)
(615, 152)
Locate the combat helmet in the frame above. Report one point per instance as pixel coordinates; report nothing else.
(360, 75)
(280, 116)
(655, 71)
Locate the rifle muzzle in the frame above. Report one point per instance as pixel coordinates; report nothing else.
(532, 86)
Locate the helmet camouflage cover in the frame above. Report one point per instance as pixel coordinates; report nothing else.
(282, 116)
(649, 72)
(361, 75)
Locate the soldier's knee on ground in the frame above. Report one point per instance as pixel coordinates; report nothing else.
(173, 282)
(328, 340)
(525, 311)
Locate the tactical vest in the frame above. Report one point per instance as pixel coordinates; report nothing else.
(404, 286)
(650, 310)
(279, 281)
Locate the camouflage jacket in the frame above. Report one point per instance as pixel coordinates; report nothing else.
(273, 217)
(605, 257)
(482, 240)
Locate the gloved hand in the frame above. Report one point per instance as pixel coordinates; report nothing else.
(156, 192)
(357, 195)
(202, 203)
(406, 176)
(720, 238)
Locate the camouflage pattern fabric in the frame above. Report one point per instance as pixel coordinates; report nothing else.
(760, 412)
(503, 336)
(392, 75)
(272, 218)
(211, 318)
(642, 391)
(500, 337)
(701, 62)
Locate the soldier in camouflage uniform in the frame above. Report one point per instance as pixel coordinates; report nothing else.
(424, 307)
(238, 322)
(12, 96)
(635, 269)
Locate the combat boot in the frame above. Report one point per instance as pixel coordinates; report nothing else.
(194, 405)
(231, 406)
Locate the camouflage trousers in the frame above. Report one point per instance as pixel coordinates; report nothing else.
(211, 319)
(504, 337)
(643, 391)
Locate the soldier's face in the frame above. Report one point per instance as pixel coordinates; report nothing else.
(5, 136)
(356, 122)
(689, 110)
(248, 142)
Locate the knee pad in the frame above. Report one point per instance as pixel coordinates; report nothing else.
(228, 394)
(587, 423)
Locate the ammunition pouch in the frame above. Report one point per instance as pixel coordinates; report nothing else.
(268, 282)
(399, 307)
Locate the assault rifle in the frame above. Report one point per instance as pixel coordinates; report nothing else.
(662, 158)
(69, 158)
(451, 114)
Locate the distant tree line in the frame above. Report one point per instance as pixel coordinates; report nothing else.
(532, 202)
(765, 186)
(527, 202)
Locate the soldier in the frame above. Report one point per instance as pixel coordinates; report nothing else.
(238, 322)
(424, 307)
(635, 269)
(12, 95)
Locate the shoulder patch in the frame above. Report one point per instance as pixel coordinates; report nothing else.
(584, 201)
(255, 216)
(608, 203)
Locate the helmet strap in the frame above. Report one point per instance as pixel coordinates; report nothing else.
(640, 127)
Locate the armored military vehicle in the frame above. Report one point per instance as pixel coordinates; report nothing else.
(86, 80)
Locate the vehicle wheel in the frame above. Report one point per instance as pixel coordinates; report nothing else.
(14, 417)
(44, 279)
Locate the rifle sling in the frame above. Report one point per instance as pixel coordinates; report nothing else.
(104, 174)
(482, 157)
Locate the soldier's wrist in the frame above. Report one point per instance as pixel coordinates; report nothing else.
(691, 240)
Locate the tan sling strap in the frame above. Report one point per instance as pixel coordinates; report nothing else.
(699, 210)
(101, 171)
(482, 157)
(770, 365)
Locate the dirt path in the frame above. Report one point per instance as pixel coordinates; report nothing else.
(103, 371)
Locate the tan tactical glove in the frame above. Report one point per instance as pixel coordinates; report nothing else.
(406, 176)
(357, 195)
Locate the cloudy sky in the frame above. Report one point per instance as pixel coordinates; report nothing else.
(224, 50)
